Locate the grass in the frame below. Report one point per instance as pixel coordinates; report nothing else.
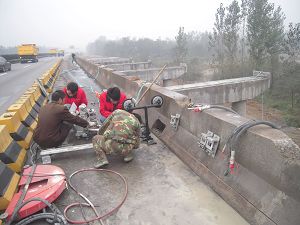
(290, 114)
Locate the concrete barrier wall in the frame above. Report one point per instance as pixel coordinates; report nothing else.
(149, 74)
(223, 91)
(109, 60)
(16, 130)
(131, 66)
(265, 187)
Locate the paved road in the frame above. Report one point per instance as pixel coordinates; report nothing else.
(15, 82)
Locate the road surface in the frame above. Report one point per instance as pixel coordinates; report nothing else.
(15, 82)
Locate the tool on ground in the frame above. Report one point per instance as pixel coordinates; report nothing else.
(45, 182)
(46, 154)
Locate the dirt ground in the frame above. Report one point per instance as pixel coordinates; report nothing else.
(254, 111)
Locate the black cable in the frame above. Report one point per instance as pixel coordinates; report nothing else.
(235, 132)
(24, 192)
(54, 216)
(247, 126)
(240, 130)
(47, 216)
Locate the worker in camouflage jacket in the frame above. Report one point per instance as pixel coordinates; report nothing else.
(119, 134)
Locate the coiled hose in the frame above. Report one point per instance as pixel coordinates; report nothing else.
(89, 203)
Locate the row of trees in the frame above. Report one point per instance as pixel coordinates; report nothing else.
(247, 35)
(247, 30)
(196, 44)
(139, 49)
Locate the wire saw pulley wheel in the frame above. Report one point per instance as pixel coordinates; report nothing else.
(157, 101)
(128, 104)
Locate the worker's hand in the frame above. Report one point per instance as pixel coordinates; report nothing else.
(76, 113)
(97, 94)
(82, 106)
(92, 124)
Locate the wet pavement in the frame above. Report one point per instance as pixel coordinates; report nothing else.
(161, 189)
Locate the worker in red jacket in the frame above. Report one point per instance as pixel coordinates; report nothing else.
(74, 94)
(110, 100)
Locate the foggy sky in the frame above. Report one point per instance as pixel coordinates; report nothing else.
(61, 23)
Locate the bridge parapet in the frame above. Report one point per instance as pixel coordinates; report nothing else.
(109, 60)
(149, 74)
(265, 187)
(130, 66)
(235, 91)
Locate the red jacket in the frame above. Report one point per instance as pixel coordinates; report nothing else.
(79, 99)
(106, 107)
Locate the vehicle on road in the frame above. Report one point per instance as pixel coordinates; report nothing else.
(4, 65)
(28, 53)
(61, 53)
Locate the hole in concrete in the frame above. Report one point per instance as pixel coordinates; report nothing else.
(158, 126)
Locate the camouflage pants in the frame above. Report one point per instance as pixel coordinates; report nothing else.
(103, 147)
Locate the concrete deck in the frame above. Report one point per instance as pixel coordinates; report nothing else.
(162, 189)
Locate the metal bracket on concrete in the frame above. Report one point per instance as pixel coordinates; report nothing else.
(46, 154)
(175, 121)
(209, 143)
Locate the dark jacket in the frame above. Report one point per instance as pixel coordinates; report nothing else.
(52, 127)
(106, 106)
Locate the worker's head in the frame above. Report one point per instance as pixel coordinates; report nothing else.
(72, 89)
(113, 95)
(58, 96)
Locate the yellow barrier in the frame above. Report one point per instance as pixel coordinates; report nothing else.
(25, 100)
(24, 115)
(16, 130)
(39, 98)
(32, 102)
(11, 153)
(9, 184)
(21, 134)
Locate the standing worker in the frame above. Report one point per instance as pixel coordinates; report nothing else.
(73, 57)
(118, 134)
(74, 94)
(55, 122)
(110, 100)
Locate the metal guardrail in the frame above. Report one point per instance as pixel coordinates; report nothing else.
(14, 58)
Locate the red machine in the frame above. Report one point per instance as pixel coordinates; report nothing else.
(48, 183)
